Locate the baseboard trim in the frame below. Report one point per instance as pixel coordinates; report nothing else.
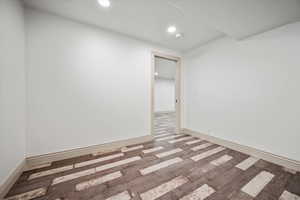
(12, 178)
(285, 162)
(102, 148)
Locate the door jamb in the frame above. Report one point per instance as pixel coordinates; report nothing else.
(177, 88)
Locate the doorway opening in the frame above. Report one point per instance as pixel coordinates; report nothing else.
(165, 115)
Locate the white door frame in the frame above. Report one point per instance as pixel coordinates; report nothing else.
(177, 88)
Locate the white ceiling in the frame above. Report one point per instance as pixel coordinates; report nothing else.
(166, 69)
(200, 20)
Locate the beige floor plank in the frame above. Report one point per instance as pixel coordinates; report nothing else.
(199, 194)
(121, 196)
(286, 195)
(207, 153)
(97, 181)
(29, 195)
(244, 165)
(73, 176)
(50, 172)
(154, 149)
(160, 165)
(257, 184)
(168, 153)
(118, 163)
(127, 149)
(202, 146)
(163, 188)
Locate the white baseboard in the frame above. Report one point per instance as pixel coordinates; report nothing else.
(32, 162)
(102, 148)
(12, 178)
(286, 162)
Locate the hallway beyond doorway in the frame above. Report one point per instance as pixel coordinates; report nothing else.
(164, 123)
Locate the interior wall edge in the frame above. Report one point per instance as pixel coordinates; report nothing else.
(279, 160)
(12, 92)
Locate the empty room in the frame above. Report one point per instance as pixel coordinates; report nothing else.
(149, 100)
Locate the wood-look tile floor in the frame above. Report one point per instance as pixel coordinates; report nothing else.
(164, 122)
(170, 167)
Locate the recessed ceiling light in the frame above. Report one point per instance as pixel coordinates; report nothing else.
(178, 35)
(156, 73)
(104, 3)
(171, 29)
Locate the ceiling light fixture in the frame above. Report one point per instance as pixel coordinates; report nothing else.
(171, 29)
(178, 35)
(156, 73)
(104, 3)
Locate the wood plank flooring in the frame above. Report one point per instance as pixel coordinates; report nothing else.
(167, 168)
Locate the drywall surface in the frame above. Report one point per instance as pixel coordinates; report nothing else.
(86, 86)
(12, 87)
(247, 91)
(164, 95)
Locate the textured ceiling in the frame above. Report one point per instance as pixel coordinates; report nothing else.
(200, 20)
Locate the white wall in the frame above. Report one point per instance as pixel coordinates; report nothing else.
(247, 91)
(164, 95)
(86, 86)
(12, 87)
